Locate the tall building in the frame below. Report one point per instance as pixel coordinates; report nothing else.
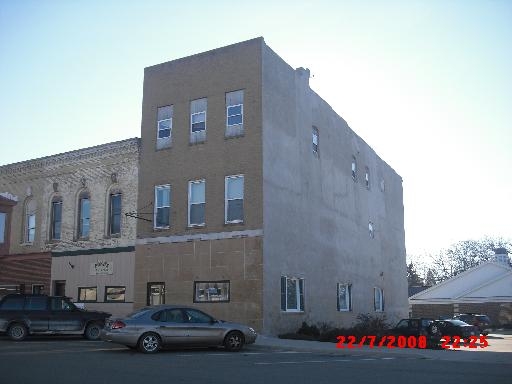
(257, 202)
(63, 228)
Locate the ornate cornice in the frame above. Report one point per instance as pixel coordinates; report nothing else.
(99, 151)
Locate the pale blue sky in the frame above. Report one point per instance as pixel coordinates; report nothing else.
(427, 84)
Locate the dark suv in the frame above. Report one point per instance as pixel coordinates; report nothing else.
(419, 327)
(482, 322)
(24, 314)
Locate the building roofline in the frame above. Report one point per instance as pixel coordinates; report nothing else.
(78, 154)
(206, 53)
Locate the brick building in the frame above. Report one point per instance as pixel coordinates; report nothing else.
(66, 228)
(259, 203)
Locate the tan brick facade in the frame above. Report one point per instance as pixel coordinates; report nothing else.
(98, 171)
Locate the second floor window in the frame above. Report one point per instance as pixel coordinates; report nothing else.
(234, 208)
(84, 216)
(162, 206)
(196, 203)
(56, 219)
(115, 214)
(3, 225)
(367, 177)
(30, 221)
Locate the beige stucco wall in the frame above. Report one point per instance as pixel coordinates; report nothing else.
(179, 264)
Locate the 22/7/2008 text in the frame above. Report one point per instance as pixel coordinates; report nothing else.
(410, 342)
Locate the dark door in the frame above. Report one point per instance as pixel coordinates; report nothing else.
(59, 288)
(202, 328)
(64, 316)
(173, 328)
(37, 312)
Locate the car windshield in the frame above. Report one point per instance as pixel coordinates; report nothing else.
(483, 318)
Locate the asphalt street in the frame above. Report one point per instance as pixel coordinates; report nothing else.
(74, 360)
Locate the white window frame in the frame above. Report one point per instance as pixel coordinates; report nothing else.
(236, 114)
(354, 168)
(348, 293)
(371, 230)
(190, 183)
(158, 125)
(378, 305)
(202, 121)
(31, 229)
(157, 187)
(226, 199)
(367, 177)
(297, 281)
(315, 134)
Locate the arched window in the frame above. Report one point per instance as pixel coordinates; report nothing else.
(84, 215)
(114, 213)
(30, 221)
(56, 218)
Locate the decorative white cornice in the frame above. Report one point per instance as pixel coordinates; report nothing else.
(99, 151)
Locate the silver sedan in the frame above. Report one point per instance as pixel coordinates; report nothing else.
(151, 328)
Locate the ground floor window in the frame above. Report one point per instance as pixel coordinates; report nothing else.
(344, 297)
(378, 299)
(115, 294)
(87, 294)
(37, 288)
(211, 291)
(156, 293)
(292, 294)
(7, 289)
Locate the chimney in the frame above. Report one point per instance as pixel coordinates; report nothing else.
(303, 73)
(501, 256)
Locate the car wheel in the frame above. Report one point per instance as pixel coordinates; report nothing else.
(92, 331)
(234, 341)
(149, 343)
(17, 332)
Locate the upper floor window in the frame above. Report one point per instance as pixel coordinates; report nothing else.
(198, 120)
(162, 206)
(371, 230)
(164, 126)
(84, 215)
(354, 168)
(315, 140)
(234, 113)
(344, 297)
(3, 225)
(234, 205)
(292, 294)
(56, 219)
(30, 221)
(367, 177)
(115, 214)
(196, 203)
(378, 300)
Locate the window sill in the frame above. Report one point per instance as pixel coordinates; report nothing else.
(196, 226)
(161, 229)
(27, 244)
(297, 312)
(232, 223)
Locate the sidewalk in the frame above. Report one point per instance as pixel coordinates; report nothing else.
(463, 354)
